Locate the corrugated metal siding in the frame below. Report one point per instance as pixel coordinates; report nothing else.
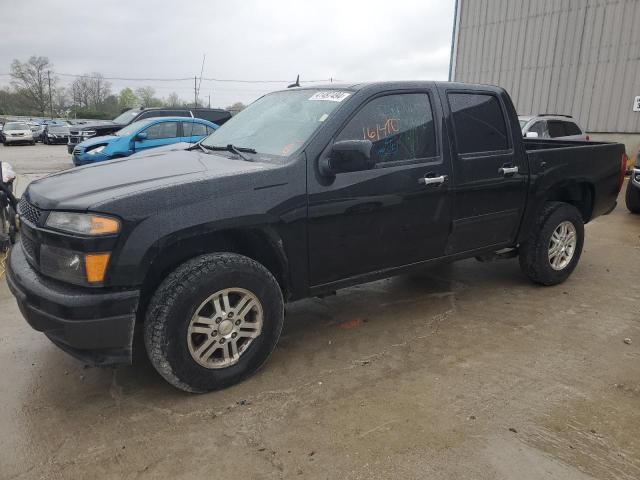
(576, 57)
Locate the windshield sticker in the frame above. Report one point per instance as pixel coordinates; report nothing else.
(323, 117)
(330, 95)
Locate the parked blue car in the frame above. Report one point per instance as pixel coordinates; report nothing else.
(142, 135)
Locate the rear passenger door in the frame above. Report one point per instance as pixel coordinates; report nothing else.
(489, 175)
(387, 216)
(193, 132)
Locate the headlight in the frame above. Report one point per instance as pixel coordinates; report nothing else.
(96, 150)
(88, 133)
(73, 267)
(83, 223)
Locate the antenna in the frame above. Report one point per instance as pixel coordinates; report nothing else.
(297, 84)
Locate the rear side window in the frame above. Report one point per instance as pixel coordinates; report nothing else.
(556, 129)
(162, 130)
(478, 122)
(572, 128)
(399, 126)
(193, 129)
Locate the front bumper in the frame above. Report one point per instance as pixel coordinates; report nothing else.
(58, 140)
(90, 324)
(25, 139)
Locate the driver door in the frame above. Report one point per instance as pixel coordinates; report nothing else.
(158, 134)
(385, 217)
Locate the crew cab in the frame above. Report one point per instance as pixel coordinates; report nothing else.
(80, 133)
(304, 192)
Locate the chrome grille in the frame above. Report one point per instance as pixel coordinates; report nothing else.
(28, 212)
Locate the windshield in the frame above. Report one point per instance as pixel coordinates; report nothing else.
(126, 117)
(16, 126)
(133, 128)
(278, 123)
(58, 129)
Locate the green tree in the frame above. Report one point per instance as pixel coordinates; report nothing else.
(147, 97)
(127, 99)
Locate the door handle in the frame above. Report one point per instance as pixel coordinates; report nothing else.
(508, 171)
(432, 180)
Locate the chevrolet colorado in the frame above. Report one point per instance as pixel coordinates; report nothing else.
(306, 191)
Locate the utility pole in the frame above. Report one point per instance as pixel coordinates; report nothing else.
(209, 100)
(50, 97)
(195, 91)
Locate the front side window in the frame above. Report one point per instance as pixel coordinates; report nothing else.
(479, 123)
(540, 128)
(399, 126)
(279, 123)
(162, 130)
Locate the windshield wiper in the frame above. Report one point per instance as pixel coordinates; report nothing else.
(197, 145)
(233, 149)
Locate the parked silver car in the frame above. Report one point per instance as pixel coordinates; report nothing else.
(562, 127)
(17, 132)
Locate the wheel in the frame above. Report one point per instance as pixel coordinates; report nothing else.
(553, 248)
(213, 321)
(33, 143)
(632, 197)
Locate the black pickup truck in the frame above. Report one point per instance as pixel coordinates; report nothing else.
(306, 191)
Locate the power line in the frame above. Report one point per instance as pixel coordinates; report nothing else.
(138, 79)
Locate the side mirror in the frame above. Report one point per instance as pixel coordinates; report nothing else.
(141, 136)
(348, 156)
(531, 135)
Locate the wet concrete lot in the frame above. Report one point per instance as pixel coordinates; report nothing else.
(465, 371)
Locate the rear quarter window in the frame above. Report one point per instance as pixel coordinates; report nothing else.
(572, 129)
(479, 123)
(556, 128)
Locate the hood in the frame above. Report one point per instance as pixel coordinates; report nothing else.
(97, 126)
(103, 140)
(98, 184)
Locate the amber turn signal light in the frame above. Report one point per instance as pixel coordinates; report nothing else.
(103, 225)
(96, 266)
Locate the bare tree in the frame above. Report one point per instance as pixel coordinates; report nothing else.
(173, 100)
(99, 89)
(236, 107)
(32, 81)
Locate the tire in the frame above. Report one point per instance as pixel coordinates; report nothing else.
(185, 292)
(534, 254)
(632, 197)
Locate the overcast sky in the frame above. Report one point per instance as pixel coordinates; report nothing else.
(245, 40)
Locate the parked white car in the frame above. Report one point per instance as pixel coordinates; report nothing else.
(557, 127)
(17, 132)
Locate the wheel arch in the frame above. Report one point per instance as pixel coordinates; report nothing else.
(580, 194)
(261, 244)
